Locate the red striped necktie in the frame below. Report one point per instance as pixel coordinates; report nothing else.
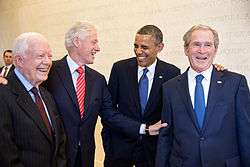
(80, 90)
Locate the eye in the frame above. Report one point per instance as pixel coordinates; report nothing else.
(135, 46)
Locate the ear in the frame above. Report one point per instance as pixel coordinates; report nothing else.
(186, 50)
(19, 60)
(160, 47)
(76, 42)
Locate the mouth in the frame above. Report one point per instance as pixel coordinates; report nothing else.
(141, 58)
(43, 70)
(202, 58)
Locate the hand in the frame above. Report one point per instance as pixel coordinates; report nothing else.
(3, 81)
(219, 67)
(154, 129)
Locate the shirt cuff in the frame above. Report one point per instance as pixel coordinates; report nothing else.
(142, 129)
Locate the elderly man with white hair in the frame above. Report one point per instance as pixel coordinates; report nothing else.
(31, 132)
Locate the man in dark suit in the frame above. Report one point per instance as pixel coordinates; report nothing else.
(208, 112)
(81, 94)
(124, 84)
(8, 61)
(31, 132)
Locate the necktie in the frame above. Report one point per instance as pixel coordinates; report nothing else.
(80, 90)
(199, 100)
(5, 71)
(41, 109)
(143, 89)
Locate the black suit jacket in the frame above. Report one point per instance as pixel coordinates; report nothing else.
(224, 138)
(123, 85)
(24, 139)
(97, 102)
(11, 69)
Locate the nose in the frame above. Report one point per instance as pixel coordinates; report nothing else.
(97, 48)
(202, 49)
(138, 51)
(47, 59)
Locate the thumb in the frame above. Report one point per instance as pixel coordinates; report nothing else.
(164, 124)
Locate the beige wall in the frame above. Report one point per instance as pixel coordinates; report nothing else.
(118, 20)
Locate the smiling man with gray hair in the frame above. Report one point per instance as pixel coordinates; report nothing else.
(31, 132)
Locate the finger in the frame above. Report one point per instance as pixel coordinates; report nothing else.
(164, 125)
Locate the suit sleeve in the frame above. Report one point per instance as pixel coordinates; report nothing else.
(9, 153)
(165, 137)
(115, 120)
(243, 121)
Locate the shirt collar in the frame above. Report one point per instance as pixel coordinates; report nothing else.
(207, 73)
(9, 66)
(72, 64)
(28, 86)
(151, 68)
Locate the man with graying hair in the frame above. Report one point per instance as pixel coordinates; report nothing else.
(81, 95)
(31, 132)
(207, 111)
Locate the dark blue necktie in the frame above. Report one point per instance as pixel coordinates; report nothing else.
(199, 100)
(143, 89)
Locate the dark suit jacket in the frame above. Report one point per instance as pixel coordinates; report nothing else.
(24, 139)
(97, 102)
(11, 69)
(123, 84)
(224, 138)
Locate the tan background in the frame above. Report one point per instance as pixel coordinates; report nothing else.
(118, 20)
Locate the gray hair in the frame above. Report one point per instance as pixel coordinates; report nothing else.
(21, 43)
(187, 35)
(79, 29)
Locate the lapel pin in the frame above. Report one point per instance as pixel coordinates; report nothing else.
(160, 77)
(219, 82)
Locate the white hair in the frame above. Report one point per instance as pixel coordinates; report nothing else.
(79, 29)
(21, 43)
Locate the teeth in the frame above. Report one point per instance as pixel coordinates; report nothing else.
(141, 58)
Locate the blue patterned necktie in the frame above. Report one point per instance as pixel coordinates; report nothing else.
(143, 89)
(199, 100)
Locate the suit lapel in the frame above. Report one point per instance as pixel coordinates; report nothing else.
(214, 93)
(88, 90)
(157, 83)
(25, 102)
(133, 84)
(183, 90)
(66, 79)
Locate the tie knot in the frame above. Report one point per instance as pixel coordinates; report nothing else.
(79, 70)
(34, 90)
(199, 78)
(145, 70)
(6, 68)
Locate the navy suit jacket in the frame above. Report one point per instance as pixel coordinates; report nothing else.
(24, 138)
(97, 102)
(123, 85)
(224, 138)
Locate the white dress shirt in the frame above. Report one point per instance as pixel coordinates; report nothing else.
(3, 70)
(73, 66)
(205, 82)
(150, 74)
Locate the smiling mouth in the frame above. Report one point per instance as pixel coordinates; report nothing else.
(141, 58)
(43, 70)
(201, 58)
